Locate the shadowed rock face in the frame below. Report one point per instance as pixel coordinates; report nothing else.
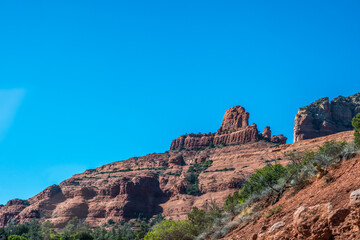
(144, 197)
(322, 118)
(234, 129)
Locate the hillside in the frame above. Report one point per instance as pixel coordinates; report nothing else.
(169, 183)
(325, 209)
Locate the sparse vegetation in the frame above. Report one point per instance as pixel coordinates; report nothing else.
(272, 181)
(193, 175)
(273, 211)
(356, 125)
(177, 173)
(221, 170)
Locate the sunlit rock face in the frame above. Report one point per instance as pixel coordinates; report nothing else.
(322, 118)
(234, 129)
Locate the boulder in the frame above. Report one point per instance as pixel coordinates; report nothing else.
(276, 227)
(312, 222)
(355, 198)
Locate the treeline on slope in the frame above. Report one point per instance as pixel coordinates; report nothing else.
(213, 222)
(77, 229)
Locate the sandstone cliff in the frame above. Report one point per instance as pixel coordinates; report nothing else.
(234, 129)
(322, 118)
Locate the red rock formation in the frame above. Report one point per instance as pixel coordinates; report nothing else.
(245, 135)
(281, 139)
(266, 134)
(235, 118)
(193, 141)
(322, 118)
(234, 129)
(176, 160)
(11, 210)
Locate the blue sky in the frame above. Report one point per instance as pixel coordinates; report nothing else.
(85, 83)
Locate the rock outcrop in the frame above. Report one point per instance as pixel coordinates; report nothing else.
(234, 119)
(266, 134)
(322, 118)
(234, 129)
(280, 139)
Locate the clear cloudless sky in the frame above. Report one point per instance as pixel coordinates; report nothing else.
(85, 83)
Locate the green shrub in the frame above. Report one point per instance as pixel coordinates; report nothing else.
(200, 220)
(170, 230)
(83, 235)
(297, 157)
(356, 125)
(16, 237)
(231, 201)
(266, 177)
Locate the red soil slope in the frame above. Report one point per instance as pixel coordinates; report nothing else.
(322, 210)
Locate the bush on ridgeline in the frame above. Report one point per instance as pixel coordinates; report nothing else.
(356, 125)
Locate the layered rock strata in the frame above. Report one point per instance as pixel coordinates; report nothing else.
(322, 118)
(234, 129)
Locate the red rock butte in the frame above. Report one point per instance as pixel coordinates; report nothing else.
(322, 118)
(234, 129)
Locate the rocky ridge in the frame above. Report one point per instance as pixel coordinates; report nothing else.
(234, 129)
(322, 118)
